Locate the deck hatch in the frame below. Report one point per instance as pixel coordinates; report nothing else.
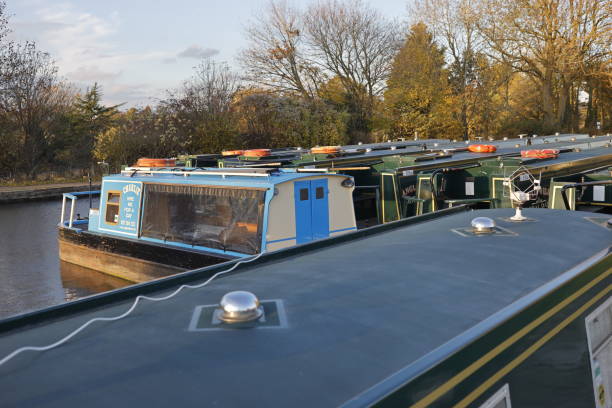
(206, 318)
(497, 230)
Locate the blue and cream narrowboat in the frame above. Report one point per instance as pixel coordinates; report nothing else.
(154, 222)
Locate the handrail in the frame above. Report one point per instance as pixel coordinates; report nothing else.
(574, 185)
(74, 196)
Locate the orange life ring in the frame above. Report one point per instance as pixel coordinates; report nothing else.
(232, 153)
(147, 162)
(325, 150)
(540, 154)
(256, 153)
(480, 148)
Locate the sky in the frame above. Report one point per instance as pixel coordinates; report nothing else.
(137, 49)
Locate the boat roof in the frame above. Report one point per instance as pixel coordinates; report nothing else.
(592, 148)
(346, 321)
(255, 178)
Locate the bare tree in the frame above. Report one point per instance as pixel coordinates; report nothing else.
(276, 54)
(31, 95)
(4, 29)
(356, 44)
(353, 42)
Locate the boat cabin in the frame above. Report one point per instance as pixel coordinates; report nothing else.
(161, 221)
(240, 212)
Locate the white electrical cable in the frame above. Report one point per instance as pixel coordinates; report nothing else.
(125, 314)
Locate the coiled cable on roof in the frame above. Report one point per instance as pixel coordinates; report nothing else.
(124, 314)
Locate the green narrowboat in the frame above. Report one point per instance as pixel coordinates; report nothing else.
(449, 309)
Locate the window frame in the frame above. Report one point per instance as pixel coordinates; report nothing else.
(108, 203)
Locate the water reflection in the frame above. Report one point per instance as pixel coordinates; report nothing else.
(79, 282)
(30, 276)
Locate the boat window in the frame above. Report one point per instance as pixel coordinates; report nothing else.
(501, 399)
(215, 217)
(303, 194)
(113, 199)
(599, 336)
(319, 193)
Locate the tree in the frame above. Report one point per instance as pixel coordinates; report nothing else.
(201, 110)
(32, 96)
(419, 98)
(356, 44)
(556, 42)
(275, 56)
(272, 120)
(87, 118)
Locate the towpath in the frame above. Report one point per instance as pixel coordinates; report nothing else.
(41, 192)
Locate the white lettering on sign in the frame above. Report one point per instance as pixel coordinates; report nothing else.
(133, 188)
(469, 188)
(408, 172)
(524, 177)
(599, 193)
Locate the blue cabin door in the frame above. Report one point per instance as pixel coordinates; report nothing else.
(320, 212)
(311, 210)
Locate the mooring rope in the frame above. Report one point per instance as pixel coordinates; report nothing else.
(124, 314)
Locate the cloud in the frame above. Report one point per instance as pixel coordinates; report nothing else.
(197, 52)
(88, 73)
(169, 60)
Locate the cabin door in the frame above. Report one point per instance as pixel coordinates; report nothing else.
(311, 210)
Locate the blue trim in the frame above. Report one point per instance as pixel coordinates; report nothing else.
(280, 240)
(266, 215)
(343, 229)
(82, 193)
(201, 248)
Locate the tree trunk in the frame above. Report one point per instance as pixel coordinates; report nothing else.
(547, 100)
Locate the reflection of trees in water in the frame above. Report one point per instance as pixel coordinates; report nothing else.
(79, 282)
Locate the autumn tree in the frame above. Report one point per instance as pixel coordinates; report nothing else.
(556, 42)
(419, 98)
(33, 97)
(201, 110)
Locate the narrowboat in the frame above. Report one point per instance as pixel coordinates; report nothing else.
(387, 176)
(449, 309)
(152, 222)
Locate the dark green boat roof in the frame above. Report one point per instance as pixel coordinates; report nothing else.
(358, 309)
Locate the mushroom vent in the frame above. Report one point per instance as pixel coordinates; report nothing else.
(239, 307)
(483, 225)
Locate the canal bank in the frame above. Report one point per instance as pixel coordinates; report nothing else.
(41, 192)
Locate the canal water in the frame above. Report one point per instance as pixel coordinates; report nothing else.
(31, 275)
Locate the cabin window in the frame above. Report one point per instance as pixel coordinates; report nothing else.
(215, 217)
(319, 193)
(501, 399)
(303, 194)
(599, 336)
(113, 200)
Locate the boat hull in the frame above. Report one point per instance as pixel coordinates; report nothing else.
(132, 260)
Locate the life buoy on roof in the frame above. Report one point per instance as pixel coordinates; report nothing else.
(147, 162)
(325, 149)
(540, 153)
(256, 153)
(232, 152)
(482, 148)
